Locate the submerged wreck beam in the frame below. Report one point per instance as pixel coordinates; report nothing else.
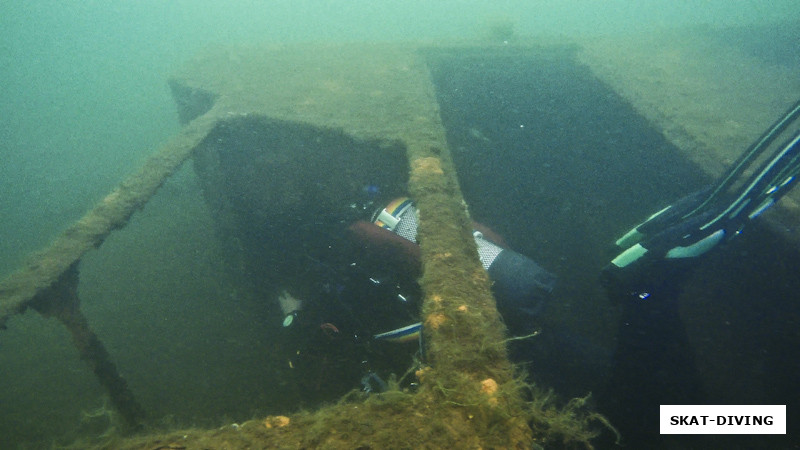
(44, 268)
(48, 282)
(62, 302)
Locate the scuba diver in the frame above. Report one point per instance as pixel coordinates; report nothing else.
(520, 286)
(370, 300)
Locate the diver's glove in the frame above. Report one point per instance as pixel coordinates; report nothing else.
(699, 222)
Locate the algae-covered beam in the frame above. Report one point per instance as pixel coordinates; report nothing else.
(463, 330)
(44, 268)
(464, 334)
(62, 302)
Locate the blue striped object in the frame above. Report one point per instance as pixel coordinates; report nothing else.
(405, 334)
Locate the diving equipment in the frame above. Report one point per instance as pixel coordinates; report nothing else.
(700, 221)
(520, 285)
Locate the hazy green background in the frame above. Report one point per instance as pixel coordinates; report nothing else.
(84, 100)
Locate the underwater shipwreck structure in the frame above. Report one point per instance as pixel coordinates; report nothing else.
(380, 99)
(345, 110)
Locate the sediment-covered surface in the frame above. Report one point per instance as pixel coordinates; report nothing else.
(711, 91)
(468, 392)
